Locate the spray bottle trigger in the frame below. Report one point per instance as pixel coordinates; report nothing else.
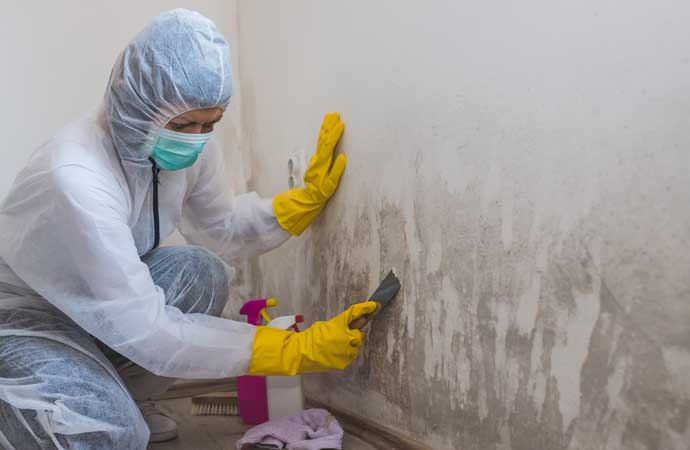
(270, 303)
(265, 315)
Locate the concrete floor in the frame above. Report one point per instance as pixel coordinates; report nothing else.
(216, 433)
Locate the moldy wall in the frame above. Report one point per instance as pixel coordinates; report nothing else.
(524, 168)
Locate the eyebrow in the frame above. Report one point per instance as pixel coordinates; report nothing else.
(191, 122)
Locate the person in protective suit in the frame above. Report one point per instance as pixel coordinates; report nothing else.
(95, 317)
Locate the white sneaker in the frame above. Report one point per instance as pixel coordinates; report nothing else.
(162, 427)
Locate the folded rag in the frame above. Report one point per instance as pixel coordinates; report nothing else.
(312, 429)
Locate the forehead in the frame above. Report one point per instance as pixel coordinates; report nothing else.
(200, 115)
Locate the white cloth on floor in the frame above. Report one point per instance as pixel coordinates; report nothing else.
(312, 429)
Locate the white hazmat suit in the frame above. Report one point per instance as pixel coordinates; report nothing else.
(82, 214)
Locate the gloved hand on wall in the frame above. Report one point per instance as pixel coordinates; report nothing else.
(297, 208)
(323, 346)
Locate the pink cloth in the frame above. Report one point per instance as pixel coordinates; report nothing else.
(312, 429)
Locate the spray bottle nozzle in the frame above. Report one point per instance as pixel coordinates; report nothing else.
(255, 310)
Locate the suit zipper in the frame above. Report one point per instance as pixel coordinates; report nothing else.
(156, 223)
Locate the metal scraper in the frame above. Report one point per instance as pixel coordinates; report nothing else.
(383, 295)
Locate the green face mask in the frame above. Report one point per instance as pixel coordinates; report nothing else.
(175, 151)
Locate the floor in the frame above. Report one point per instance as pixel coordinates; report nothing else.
(216, 433)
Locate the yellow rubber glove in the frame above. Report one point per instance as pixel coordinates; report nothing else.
(323, 346)
(297, 208)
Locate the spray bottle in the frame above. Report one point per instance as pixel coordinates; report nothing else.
(251, 389)
(262, 398)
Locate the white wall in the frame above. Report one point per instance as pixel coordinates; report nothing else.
(524, 166)
(56, 58)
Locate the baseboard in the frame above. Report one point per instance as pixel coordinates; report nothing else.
(374, 434)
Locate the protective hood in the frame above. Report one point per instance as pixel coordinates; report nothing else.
(178, 63)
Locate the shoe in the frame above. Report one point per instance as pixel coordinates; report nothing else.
(162, 427)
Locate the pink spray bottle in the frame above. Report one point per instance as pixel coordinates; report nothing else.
(266, 398)
(251, 390)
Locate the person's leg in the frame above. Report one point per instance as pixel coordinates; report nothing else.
(54, 397)
(194, 281)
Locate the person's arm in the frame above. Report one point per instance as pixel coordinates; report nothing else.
(297, 208)
(234, 227)
(81, 257)
(72, 246)
(247, 225)
(324, 346)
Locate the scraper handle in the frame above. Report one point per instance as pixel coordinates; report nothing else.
(361, 321)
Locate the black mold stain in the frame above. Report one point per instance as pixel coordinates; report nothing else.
(489, 279)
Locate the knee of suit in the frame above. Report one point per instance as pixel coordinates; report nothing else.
(211, 280)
